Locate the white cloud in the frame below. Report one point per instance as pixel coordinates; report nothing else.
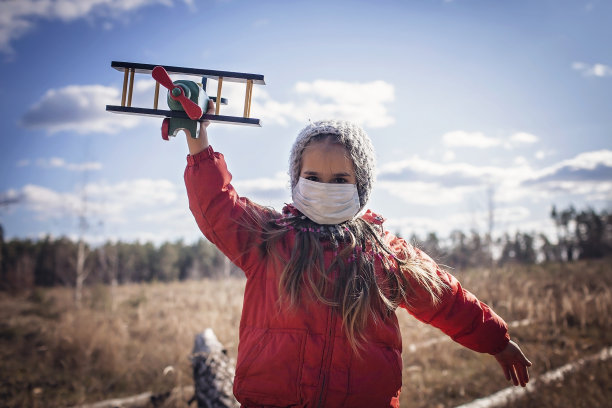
(132, 209)
(361, 102)
(448, 173)
(448, 155)
(583, 161)
(589, 175)
(523, 138)
(82, 109)
(426, 193)
(542, 154)
(460, 138)
(520, 161)
(56, 162)
(111, 201)
(18, 17)
(595, 70)
(423, 182)
(505, 217)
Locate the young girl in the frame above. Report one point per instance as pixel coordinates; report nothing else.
(324, 279)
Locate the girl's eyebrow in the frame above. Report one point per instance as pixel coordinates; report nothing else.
(314, 173)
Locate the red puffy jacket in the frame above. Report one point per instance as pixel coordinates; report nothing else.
(302, 358)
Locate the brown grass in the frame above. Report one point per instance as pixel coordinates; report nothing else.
(122, 340)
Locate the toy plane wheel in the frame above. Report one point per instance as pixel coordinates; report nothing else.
(164, 128)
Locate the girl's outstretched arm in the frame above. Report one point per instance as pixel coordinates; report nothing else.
(201, 143)
(514, 364)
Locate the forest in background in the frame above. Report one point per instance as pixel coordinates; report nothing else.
(25, 263)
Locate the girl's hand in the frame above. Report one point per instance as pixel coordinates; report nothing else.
(201, 143)
(514, 363)
(210, 111)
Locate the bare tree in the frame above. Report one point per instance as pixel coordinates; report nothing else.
(82, 251)
(491, 220)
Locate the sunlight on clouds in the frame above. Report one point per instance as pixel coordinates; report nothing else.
(20, 16)
(82, 109)
(584, 161)
(460, 138)
(466, 221)
(590, 160)
(523, 138)
(144, 209)
(47, 203)
(595, 70)
(56, 162)
(443, 172)
(418, 192)
(479, 140)
(542, 154)
(419, 181)
(363, 103)
(139, 200)
(520, 161)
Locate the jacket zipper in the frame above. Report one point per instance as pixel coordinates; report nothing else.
(327, 357)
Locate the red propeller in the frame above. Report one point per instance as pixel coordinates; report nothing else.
(177, 93)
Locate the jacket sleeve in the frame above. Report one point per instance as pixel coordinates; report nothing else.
(459, 314)
(225, 218)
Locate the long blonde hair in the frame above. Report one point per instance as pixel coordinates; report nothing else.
(365, 281)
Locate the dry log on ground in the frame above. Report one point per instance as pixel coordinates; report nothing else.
(213, 373)
(144, 400)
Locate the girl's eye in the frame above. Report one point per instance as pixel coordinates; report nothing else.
(312, 178)
(340, 180)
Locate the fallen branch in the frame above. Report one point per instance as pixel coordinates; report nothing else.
(503, 397)
(144, 400)
(213, 373)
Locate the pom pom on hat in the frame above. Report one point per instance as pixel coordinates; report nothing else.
(353, 138)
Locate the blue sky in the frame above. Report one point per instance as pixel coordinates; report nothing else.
(464, 101)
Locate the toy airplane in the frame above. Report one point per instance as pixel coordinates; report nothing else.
(187, 100)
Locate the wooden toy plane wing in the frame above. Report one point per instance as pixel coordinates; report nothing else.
(237, 120)
(212, 74)
(130, 68)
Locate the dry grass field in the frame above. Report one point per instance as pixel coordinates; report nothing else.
(123, 340)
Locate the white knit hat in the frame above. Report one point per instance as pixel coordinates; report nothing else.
(353, 138)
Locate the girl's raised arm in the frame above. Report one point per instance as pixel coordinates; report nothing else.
(201, 143)
(228, 220)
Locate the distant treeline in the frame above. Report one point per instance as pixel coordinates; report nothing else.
(52, 261)
(582, 234)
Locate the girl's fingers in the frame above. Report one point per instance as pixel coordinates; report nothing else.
(515, 380)
(524, 375)
(506, 370)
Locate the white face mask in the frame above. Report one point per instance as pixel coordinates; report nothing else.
(326, 203)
